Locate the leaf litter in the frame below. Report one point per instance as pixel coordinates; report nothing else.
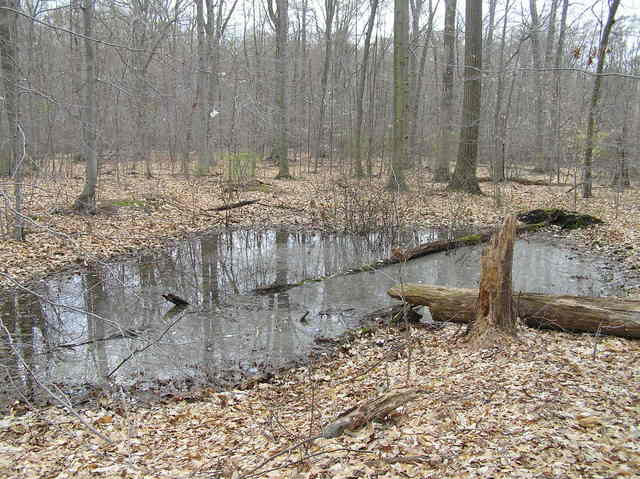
(547, 405)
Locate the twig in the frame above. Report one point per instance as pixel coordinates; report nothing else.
(350, 420)
(230, 206)
(171, 313)
(64, 402)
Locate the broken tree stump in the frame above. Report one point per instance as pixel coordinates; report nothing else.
(583, 314)
(494, 312)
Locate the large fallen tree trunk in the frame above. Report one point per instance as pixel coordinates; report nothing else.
(612, 316)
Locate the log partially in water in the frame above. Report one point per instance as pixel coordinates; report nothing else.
(438, 246)
(611, 316)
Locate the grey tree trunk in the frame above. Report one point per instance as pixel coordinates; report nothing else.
(202, 76)
(416, 71)
(538, 149)
(595, 98)
(464, 176)
(446, 151)
(280, 141)
(499, 126)
(9, 59)
(12, 159)
(362, 80)
(86, 202)
(329, 12)
(555, 118)
(399, 159)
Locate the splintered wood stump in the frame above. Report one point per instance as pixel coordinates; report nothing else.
(494, 308)
(583, 314)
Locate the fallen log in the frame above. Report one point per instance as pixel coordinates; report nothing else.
(611, 316)
(438, 246)
(231, 206)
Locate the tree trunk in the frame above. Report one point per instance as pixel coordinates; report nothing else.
(464, 177)
(280, 146)
(399, 158)
(499, 126)
(555, 122)
(595, 98)
(329, 12)
(362, 81)
(611, 316)
(494, 313)
(538, 149)
(86, 202)
(447, 139)
(11, 158)
(417, 73)
(202, 77)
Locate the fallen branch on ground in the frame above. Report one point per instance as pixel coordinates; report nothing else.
(230, 206)
(351, 420)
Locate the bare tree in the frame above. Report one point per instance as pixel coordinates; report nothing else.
(9, 54)
(210, 33)
(329, 13)
(464, 176)
(400, 95)
(362, 79)
(280, 146)
(446, 150)
(555, 117)
(538, 150)
(86, 202)
(12, 159)
(419, 35)
(499, 126)
(595, 98)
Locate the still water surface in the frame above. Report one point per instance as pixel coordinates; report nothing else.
(228, 331)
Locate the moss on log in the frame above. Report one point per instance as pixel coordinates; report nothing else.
(567, 220)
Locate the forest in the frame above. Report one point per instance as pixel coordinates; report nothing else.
(343, 238)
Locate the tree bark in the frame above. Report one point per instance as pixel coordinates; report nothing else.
(86, 202)
(538, 149)
(399, 158)
(329, 12)
(447, 140)
(464, 177)
(610, 316)
(11, 160)
(396, 180)
(494, 313)
(362, 79)
(204, 163)
(595, 98)
(280, 149)
(499, 123)
(416, 72)
(557, 61)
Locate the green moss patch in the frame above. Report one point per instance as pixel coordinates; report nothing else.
(567, 220)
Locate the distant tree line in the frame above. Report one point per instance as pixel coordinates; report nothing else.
(315, 82)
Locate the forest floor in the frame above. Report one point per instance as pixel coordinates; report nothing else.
(547, 405)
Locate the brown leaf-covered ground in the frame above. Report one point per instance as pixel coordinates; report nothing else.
(548, 405)
(136, 212)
